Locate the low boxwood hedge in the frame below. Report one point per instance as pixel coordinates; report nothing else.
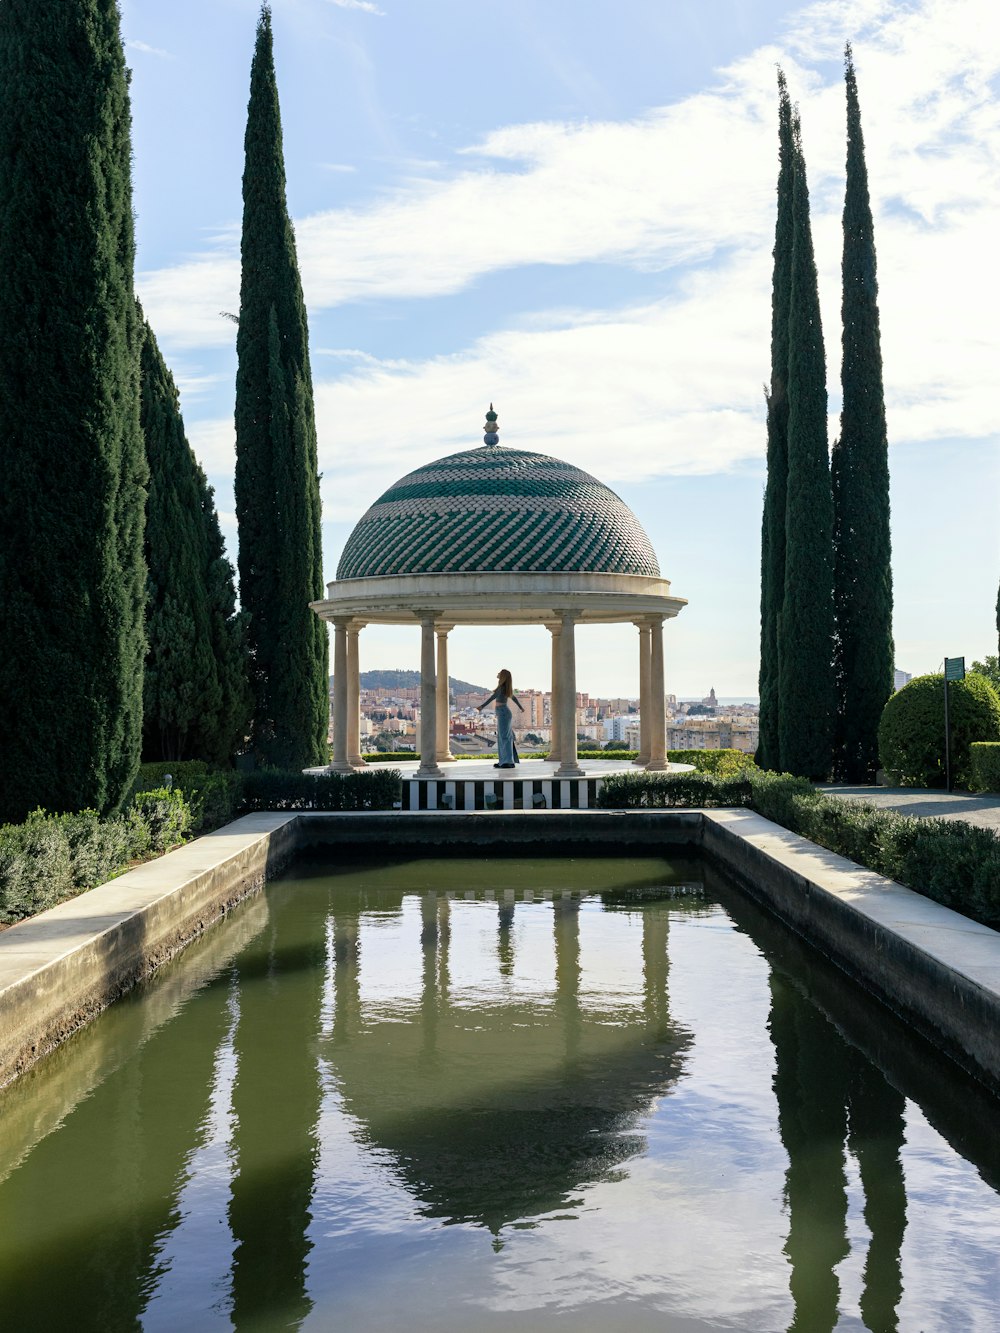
(378, 789)
(656, 791)
(954, 863)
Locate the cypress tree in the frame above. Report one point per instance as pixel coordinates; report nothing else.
(196, 702)
(772, 556)
(805, 627)
(863, 647)
(277, 484)
(72, 578)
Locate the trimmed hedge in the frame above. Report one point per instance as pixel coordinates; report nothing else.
(984, 766)
(955, 863)
(657, 791)
(911, 732)
(728, 763)
(272, 789)
(49, 858)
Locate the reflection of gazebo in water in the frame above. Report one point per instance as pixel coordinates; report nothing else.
(496, 1109)
(497, 536)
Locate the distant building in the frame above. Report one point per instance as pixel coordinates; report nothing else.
(901, 678)
(714, 733)
(616, 727)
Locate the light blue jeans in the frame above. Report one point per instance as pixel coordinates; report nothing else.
(505, 735)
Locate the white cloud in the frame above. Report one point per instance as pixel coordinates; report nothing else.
(214, 445)
(148, 50)
(364, 5)
(671, 386)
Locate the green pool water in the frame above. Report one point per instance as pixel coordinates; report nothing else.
(577, 1093)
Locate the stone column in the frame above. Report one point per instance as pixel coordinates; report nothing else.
(555, 752)
(341, 762)
(569, 765)
(428, 699)
(658, 714)
(354, 756)
(645, 701)
(442, 750)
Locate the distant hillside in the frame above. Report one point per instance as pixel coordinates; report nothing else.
(410, 680)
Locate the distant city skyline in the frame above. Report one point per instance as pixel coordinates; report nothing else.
(519, 246)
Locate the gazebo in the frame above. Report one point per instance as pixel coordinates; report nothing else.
(497, 536)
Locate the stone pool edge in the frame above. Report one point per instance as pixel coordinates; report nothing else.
(934, 968)
(59, 969)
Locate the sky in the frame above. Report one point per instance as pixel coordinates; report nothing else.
(568, 209)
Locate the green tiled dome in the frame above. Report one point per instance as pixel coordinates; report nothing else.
(497, 510)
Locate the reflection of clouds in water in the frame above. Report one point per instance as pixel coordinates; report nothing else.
(951, 1250)
(711, 1178)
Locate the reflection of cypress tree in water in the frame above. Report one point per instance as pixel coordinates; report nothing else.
(822, 1083)
(276, 1101)
(810, 1083)
(875, 1139)
(84, 1214)
(517, 1103)
(566, 926)
(655, 969)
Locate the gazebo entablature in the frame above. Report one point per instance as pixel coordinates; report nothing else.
(438, 602)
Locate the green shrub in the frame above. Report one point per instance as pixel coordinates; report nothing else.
(159, 820)
(36, 869)
(726, 763)
(780, 796)
(911, 732)
(98, 848)
(213, 794)
(214, 800)
(954, 863)
(984, 766)
(648, 791)
(273, 789)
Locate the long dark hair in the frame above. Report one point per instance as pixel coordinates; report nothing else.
(505, 686)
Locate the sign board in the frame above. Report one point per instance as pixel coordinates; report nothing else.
(954, 668)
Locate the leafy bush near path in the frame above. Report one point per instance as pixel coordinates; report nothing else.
(911, 732)
(984, 766)
(954, 863)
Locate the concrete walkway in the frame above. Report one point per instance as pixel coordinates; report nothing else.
(928, 803)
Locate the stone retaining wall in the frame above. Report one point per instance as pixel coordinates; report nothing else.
(933, 967)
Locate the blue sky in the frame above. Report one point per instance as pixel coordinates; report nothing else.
(568, 210)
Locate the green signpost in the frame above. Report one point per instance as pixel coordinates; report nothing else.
(954, 669)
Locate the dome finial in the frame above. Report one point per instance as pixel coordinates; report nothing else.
(491, 436)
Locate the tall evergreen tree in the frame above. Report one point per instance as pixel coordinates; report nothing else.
(277, 484)
(863, 647)
(196, 700)
(805, 628)
(72, 503)
(772, 557)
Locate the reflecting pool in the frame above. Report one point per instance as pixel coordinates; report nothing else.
(591, 1093)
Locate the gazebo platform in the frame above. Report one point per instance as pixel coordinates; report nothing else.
(474, 784)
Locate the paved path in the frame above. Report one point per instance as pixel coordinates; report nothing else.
(925, 803)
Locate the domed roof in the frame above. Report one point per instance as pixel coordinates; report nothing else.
(497, 510)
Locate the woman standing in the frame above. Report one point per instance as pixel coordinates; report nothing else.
(503, 693)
